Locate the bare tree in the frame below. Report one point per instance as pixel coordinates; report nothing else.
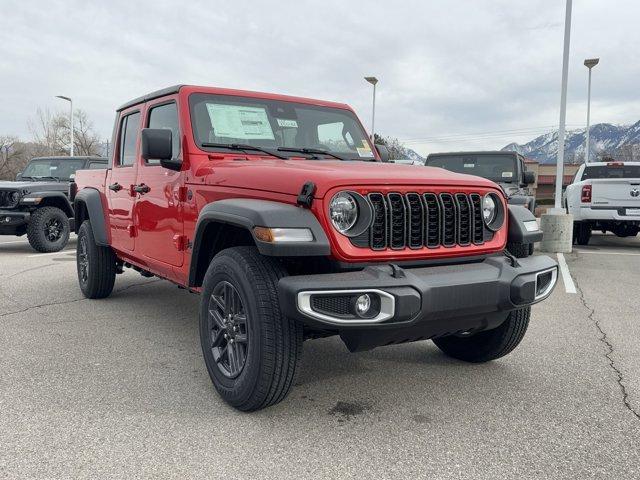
(51, 133)
(396, 148)
(13, 157)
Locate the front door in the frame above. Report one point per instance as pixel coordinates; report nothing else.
(120, 183)
(158, 212)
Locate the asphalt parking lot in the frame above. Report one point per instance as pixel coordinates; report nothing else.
(118, 388)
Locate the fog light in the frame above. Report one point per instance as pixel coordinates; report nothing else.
(7, 219)
(363, 304)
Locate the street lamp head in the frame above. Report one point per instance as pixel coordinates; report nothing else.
(371, 80)
(63, 98)
(591, 62)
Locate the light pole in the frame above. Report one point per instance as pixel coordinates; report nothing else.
(373, 81)
(589, 63)
(70, 119)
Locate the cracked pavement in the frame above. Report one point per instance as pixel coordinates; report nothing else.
(117, 388)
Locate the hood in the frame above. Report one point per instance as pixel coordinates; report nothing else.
(288, 176)
(33, 187)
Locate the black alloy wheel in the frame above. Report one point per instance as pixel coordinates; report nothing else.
(228, 328)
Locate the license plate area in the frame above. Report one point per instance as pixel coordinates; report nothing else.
(635, 212)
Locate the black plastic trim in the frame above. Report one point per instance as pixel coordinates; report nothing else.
(90, 197)
(519, 214)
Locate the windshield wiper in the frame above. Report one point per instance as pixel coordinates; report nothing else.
(47, 176)
(312, 151)
(243, 146)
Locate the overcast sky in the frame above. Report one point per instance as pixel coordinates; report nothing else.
(453, 74)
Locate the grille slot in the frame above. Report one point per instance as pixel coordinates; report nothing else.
(414, 220)
(4, 198)
(478, 225)
(397, 221)
(332, 305)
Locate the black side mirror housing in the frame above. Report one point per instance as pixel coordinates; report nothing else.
(383, 151)
(156, 144)
(529, 178)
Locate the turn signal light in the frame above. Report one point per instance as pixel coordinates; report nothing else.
(585, 197)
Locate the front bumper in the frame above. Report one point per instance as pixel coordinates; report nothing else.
(12, 221)
(422, 302)
(616, 214)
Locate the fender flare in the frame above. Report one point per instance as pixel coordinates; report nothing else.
(249, 213)
(518, 232)
(68, 208)
(90, 197)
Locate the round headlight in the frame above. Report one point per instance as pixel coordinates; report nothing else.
(343, 211)
(13, 199)
(489, 209)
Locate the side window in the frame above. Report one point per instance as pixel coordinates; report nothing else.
(166, 116)
(128, 139)
(96, 166)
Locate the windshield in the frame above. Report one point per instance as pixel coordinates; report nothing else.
(498, 168)
(611, 171)
(276, 124)
(60, 169)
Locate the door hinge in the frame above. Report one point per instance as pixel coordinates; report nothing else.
(181, 242)
(182, 194)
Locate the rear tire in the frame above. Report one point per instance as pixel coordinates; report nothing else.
(48, 230)
(582, 233)
(96, 265)
(240, 303)
(489, 344)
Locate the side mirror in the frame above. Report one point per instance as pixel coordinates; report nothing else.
(19, 176)
(529, 178)
(383, 151)
(156, 144)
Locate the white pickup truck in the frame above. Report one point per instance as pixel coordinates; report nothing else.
(605, 196)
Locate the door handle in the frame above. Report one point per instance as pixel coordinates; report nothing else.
(115, 187)
(141, 189)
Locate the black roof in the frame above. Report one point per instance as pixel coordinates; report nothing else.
(56, 157)
(150, 96)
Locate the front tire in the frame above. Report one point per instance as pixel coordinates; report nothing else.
(489, 344)
(96, 265)
(250, 349)
(48, 230)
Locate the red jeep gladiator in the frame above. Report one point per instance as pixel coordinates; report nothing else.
(286, 219)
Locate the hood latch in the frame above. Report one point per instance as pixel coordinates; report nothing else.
(305, 197)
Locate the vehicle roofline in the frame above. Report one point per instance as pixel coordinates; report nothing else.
(188, 89)
(478, 152)
(66, 157)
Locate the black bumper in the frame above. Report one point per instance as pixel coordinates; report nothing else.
(12, 223)
(427, 302)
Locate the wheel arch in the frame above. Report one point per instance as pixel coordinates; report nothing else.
(230, 222)
(87, 205)
(58, 200)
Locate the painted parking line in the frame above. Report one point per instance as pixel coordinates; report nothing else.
(569, 286)
(53, 253)
(14, 242)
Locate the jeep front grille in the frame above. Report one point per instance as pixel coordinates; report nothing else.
(414, 220)
(5, 199)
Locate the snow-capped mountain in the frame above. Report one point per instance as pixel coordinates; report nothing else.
(604, 138)
(413, 155)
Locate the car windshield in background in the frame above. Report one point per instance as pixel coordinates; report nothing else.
(54, 168)
(498, 168)
(276, 124)
(611, 171)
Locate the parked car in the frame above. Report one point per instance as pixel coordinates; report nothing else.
(606, 197)
(279, 212)
(505, 168)
(37, 203)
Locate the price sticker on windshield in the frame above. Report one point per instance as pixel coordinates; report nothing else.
(283, 122)
(507, 174)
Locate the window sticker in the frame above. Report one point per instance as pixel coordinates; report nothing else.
(283, 122)
(237, 121)
(365, 150)
(469, 165)
(507, 174)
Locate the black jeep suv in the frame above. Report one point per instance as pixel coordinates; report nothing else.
(37, 203)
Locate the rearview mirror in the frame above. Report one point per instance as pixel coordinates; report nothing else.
(529, 178)
(383, 151)
(156, 144)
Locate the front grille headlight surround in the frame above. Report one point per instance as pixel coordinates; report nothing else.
(350, 213)
(12, 198)
(493, 213)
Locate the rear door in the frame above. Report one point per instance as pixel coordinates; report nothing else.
(615, 185)
(158, 212)
(121, 181)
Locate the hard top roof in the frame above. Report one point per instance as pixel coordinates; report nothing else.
(227, 91)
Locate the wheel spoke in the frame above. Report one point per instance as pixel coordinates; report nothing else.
(223, 352)
(217, 319)
(218, 301)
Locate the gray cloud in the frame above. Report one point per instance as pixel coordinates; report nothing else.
(448, 70)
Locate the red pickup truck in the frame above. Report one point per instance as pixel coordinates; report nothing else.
(286, 219)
